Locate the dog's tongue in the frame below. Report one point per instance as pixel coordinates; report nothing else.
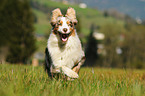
(64, 38)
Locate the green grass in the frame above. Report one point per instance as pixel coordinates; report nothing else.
(24, 80)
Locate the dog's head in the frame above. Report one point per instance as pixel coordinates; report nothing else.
(63, 26)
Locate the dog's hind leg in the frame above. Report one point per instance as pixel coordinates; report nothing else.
(77, 67)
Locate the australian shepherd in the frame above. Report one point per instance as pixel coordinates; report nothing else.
(64, 52)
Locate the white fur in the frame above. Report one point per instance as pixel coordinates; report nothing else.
(64, 25)
(65, 56)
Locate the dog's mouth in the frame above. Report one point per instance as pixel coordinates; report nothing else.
(64, 37)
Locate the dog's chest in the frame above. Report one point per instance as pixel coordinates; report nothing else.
(65, 55)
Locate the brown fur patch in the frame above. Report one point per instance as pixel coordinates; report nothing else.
(68, 22)
(73, 32)
(55, 30)
(61, 22)
(76, 63)
(76, 69)
(83, 58)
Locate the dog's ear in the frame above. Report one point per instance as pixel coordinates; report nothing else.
(71, 14)
(55, 14)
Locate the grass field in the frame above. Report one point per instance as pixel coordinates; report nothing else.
(25, 80)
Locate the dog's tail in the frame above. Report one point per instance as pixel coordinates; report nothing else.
(70, 73)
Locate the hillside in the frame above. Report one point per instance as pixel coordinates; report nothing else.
(42, 9)
(134, 8)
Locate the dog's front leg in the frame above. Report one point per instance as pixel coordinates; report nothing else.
(69, 72)
(65, 70)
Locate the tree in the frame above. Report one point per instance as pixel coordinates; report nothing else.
(91, 49)
(16, 26)
(112, 42)
(133, 47)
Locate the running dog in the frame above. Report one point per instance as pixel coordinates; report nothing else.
(64, 52)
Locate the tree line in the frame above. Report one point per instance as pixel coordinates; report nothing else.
(123, 47)
(16, 30)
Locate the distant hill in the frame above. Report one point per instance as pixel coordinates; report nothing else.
(134, 8)
(87, 17)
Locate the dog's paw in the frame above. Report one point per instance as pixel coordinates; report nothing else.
(70, 79)
(70, 73)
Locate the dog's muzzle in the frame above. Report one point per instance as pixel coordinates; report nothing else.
(63, 36)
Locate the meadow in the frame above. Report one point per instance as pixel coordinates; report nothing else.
(26, 80)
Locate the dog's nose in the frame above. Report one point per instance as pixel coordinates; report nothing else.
(65, 29)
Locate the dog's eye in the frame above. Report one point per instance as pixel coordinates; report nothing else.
(71, 24)
(59, 23)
